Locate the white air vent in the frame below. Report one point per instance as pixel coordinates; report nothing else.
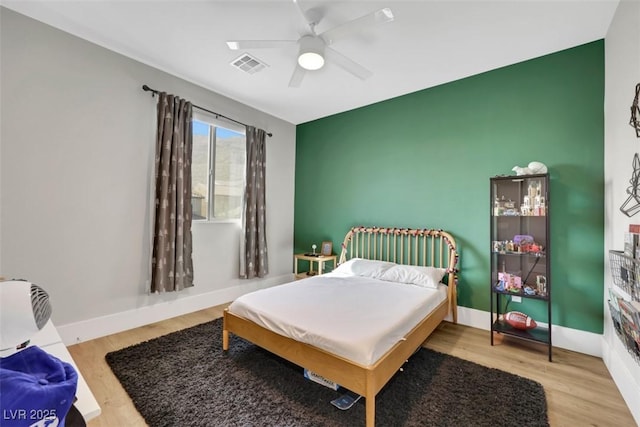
(248, 64)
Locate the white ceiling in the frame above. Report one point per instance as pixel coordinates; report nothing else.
(427, 44)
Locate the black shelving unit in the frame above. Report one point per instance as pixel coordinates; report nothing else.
(520, 251)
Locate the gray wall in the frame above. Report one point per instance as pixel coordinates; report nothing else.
(76, 159)
(622, 63)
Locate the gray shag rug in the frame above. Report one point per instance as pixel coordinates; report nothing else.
(185, 379)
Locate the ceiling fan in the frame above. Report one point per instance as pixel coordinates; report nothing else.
(314, 47)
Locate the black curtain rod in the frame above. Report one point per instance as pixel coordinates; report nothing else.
(155, 92)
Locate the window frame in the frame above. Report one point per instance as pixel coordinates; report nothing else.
(214, 122)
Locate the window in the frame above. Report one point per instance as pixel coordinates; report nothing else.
(217, 169)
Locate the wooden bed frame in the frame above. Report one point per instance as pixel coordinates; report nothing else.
(423, 247)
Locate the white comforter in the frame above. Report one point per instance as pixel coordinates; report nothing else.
(354, 317)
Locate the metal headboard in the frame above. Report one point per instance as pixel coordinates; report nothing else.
(424, 247)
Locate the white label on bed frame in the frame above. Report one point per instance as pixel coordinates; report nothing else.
(320, 379)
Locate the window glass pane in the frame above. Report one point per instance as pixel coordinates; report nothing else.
(229, 174)
(200, 170)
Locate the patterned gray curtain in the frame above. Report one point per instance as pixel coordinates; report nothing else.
(172, 266)
(253, 242)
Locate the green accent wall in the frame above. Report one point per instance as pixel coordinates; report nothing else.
(424, 160)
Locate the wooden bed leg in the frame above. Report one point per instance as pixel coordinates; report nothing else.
(225, 333)
(370, 399)
(370, 402)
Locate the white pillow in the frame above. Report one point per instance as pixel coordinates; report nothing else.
(363, 267)
(427, 277)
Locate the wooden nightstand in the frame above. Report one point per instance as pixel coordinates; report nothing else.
(320, 259)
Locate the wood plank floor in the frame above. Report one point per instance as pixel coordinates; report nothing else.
(580, 391)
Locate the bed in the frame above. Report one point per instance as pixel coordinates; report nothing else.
(291, 321)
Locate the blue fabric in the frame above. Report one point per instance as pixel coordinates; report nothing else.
(36, 388)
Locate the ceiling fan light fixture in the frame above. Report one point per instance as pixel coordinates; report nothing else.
(311, 56)
(311, 61)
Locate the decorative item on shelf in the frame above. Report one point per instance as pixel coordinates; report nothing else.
(326, 248)
(521, 244)
(634, 122)
(525, 207)
(521, 240)
(508, 282)
(538, 202)
(631, 206)
(521, 170)
(313, 248)
(530, 169)
(541, 283)
(498, 207)
(537, 167)
(519, 320)
(502, 207)
(532, 248)
(510, 208)
(533, 203)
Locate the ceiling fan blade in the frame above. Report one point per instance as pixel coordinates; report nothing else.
(297, 76)
(344, 30)
(309, 18)
(349, 65)
(258, 44)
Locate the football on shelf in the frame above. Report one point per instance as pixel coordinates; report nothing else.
(519, 320)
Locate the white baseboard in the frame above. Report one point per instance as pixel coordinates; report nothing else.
(74, 333)
(620, 365)
(562, 337)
